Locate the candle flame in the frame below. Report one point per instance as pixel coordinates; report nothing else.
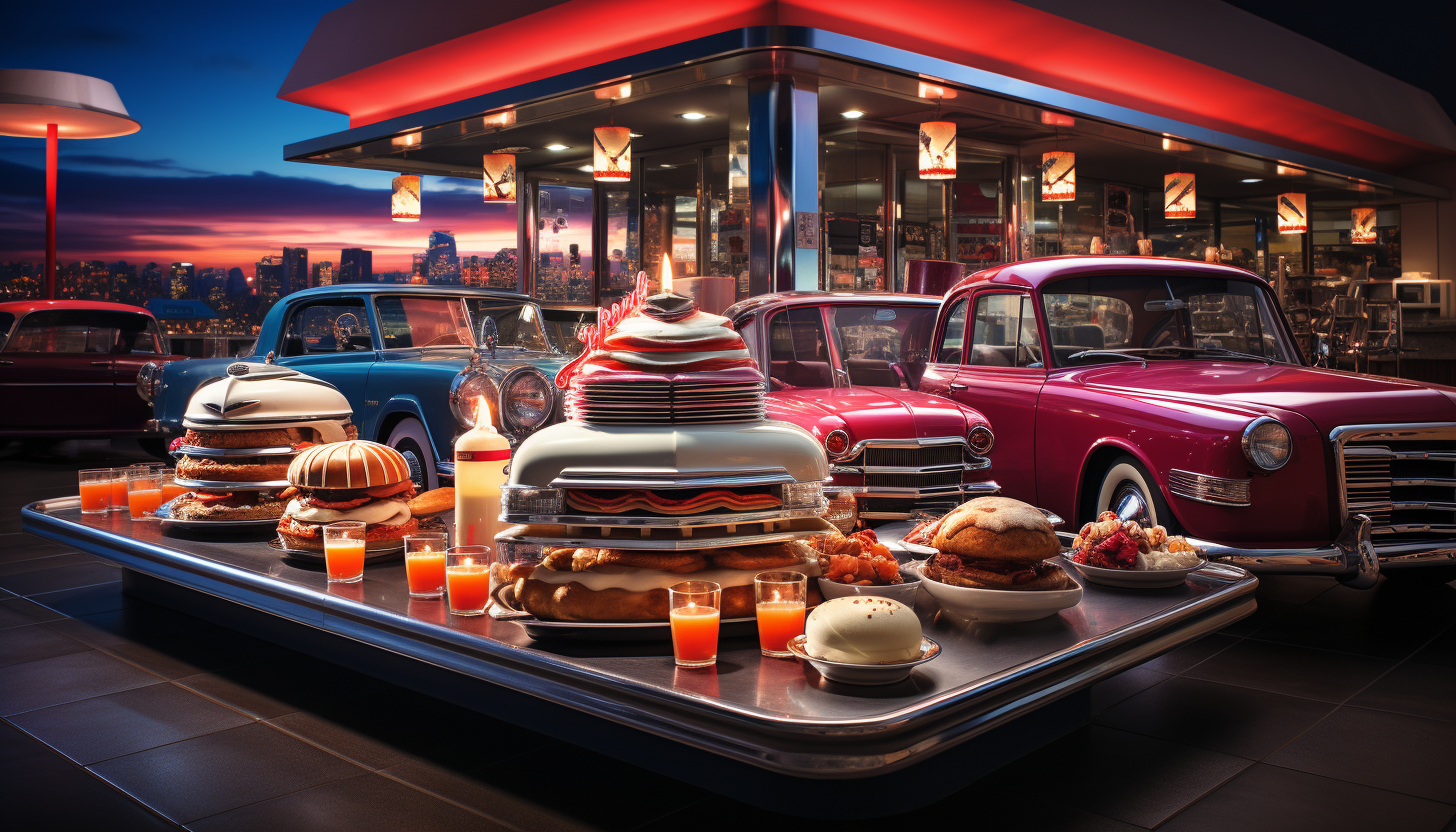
(776, 596)
(482, 408)
(666, 273)
(469, 561)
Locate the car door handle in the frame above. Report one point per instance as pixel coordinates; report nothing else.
(954, 386)
(100, 363)
(6, 361)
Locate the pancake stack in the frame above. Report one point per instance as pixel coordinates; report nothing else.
(666, 471)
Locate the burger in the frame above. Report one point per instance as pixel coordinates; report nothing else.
(228, 506)
(997, 543)
(351, 480)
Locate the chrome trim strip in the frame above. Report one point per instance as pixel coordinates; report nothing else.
(1203, 488)
(1374, 452)
(586, 478)
(1339, 437)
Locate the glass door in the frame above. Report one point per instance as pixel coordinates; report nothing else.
(853, 177)
(562, 245)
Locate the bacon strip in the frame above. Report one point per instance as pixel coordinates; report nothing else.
(652, 501)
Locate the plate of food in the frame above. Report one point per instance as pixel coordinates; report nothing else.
(994, 561)
(227, 510)
(858, 564)
(863, 641)
(1121, 553)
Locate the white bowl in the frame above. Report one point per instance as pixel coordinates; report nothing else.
(887, 673)
(904, 593)
(1003, 605)
(1134, 578)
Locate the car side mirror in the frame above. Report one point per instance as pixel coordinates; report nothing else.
(1164, 305)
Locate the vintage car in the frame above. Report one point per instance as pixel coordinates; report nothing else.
(69, 368)
(1173, 392)
(411, 359)
(844, 367)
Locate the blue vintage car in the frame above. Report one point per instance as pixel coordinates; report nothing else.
(410, 359)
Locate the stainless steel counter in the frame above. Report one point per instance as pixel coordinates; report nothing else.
(770, 713)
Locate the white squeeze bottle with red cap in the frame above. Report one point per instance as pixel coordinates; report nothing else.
(481, 458)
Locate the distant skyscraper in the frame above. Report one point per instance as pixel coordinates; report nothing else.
(183, 275)
(323, 273)
(123, 279)
(295, 269)
(237, 283)
(268, 276)
(153, 283)
(442, 261)
(356, 265)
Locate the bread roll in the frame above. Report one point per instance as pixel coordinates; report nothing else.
(998, 528)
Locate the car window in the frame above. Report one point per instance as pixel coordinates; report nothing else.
(798, 351)
(1087, 322)
(336, 325)
(952, 341)
(1005, 332)
(878, 343)
(561, 326)
(517, 324)
(422, 322)
(748, 328)
(6, 321)
(85, 331)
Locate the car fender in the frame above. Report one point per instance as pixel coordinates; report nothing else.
(411, 406)
(1130, 449)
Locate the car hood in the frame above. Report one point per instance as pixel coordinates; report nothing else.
(1327, 398)
(872, 412)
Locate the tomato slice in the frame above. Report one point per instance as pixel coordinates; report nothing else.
(390, 490)
(211, 498)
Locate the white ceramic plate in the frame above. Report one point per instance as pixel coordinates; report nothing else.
(1003, 605)
(904, 593)
(1134, 578)
(865, 674)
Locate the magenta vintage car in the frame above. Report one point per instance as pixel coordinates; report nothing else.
(845, 367)
(1172, 391)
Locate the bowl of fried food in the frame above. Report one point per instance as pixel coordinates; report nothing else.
(1116, 552)
(859, 564)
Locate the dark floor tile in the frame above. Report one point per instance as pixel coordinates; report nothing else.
(63, 577)
(66, 679)
(291, 683)
(1111, 691)
(1411, 688)
(19, 546)
(1239, 721)
(28, 644)
(357, 804)
(87, 600)
(103, 727)
(44, 791)
(17, 612)
(183, 653)
(1292, 670)
(1395, 752)
(1129, 777)
(1190, 654)
(137, 621)
(37, 562)
(1441, 650)
(215, 773)
(1271, 799)
(1390, 621)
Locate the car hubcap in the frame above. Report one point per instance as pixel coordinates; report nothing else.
(1129, 504)
(417, 471)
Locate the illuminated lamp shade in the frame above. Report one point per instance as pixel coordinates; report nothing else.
(499, 177)
(1180, 196)
(612, 154)
(1362, 225)
(937, 150)
(1293, 218)
(404, 202)
(1058, 176)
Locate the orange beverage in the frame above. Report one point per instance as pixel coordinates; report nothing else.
(694, 635)
(425, 573)
(143, 502)
(467, 580)
(95, 486)
(779, 621)
(171, 490)
(344, 560)
(118, 490)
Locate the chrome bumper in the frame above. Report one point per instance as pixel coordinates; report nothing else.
(1352, 558)
(911, 496)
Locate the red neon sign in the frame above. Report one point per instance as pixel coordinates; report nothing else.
(607, 319)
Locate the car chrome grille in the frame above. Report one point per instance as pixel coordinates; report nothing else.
(920, 479)
(1402, 476)
(921, 457)
(900, 478)
(666, 402)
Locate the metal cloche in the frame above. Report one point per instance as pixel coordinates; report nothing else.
(255, 396)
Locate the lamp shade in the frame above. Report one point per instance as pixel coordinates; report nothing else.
(612, 154)
(1180, 196)
(404, 202)
(1293, 218)
(1362, 225)
(80, 106)
(937, 150)
(1058, 176)
(499, 176)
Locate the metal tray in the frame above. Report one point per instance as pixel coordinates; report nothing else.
(663, 521)
(169, 522)
(808, 527)
(222, 485)
(223, 453)
(392, 553)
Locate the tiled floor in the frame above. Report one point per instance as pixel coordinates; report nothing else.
(1330, 709)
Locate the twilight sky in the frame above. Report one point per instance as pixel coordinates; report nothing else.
(204, 180)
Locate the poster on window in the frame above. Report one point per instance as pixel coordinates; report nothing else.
(1293, 218)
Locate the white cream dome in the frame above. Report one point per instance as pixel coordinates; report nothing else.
(268, 396)
(863, 629)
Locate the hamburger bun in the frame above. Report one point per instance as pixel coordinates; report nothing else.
(434, 502)
(233, 469)
(353, 464)
(998, 528)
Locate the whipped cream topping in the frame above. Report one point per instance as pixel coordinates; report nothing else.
(387, 512)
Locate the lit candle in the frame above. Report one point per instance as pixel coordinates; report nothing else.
(666, 281)
(424, 565)
(481, 458)
(344, 551)
(467, 583)
(780, 598)
(694, 635)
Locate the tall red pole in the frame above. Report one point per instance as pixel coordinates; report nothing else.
(52, 145)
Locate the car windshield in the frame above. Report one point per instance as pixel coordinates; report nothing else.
(92, 331)
(883, 345)
(561, 326)
(422, 322)
(516, 324)
(1107, 318)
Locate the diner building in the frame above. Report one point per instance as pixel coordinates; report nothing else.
(806, 144)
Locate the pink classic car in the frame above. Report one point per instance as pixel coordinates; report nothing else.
(844, 367)
(1173, 392)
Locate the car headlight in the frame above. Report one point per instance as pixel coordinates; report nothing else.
(527, 400)
(1267, 443)
(149, 378)
(981, 440)
(468, 386)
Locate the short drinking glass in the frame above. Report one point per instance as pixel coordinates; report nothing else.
(779, 602)
(96, 490)
(144, 492)
(424, 564)
(344, 551)
(693, 616)
(467, 579)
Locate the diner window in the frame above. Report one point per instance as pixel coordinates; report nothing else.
(563, 244)
(670, 215)
(854, 229)
(340, 325)
(85, 331)
(1005, 332)
(953, 340)
(798, 350)
(618, 274)
(422, 322)
(878, 344)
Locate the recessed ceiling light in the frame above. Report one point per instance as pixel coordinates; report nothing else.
(852, 113)
(692, 116)
(586, 169)
(557, 147)
(669, 167)
(1250, 181)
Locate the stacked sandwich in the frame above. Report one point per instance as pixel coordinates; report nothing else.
(665, 472)
(243, 431)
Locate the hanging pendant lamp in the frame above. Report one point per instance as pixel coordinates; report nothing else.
(1180, 196)
(1293, 217)
(1058, 176)
(1362, 225)
(499, 177)
(612, 154)
(404, 201)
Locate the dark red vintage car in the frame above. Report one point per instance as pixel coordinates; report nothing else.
(69, 367)
(844, 367)
(1173, 391)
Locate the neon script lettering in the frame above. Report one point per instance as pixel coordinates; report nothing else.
(592, 335)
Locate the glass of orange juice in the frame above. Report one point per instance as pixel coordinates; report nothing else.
(780, 599)
(344, 551)
(424, 564)
(692, 612)
(96, 490)
(467, 579)
(118, 488)
(170, 488)
(144, 493)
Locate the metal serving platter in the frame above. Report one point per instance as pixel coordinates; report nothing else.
(390, 553)
(665, 521)
(617, 631)
(660, 539)
(164, 514)
(223, 485)
(222, 453)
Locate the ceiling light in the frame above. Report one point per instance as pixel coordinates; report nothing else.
(1250, 181)
(852, 113)
(692, 116)
(557, 147)
(669, 167)
(635, 135)
(586, 168)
